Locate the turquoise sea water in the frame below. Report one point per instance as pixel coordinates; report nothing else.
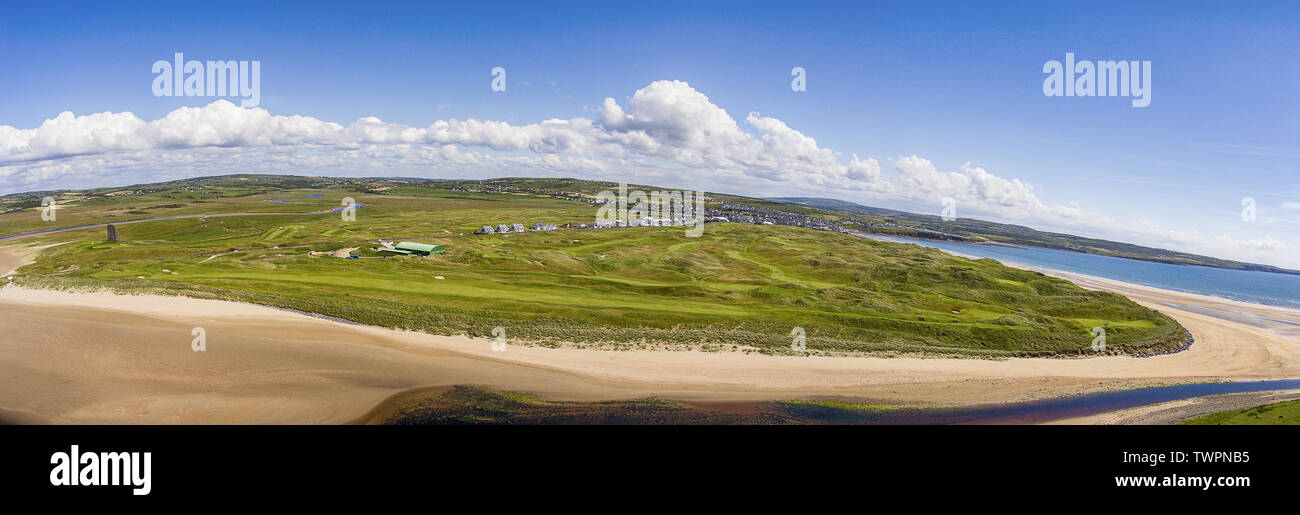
(1257, 287)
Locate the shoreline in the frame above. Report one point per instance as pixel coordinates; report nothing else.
(1173, 412)
(268, 365)
(1054, 272)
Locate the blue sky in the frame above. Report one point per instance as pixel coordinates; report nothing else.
(957, 86)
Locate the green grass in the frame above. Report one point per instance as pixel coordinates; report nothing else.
(843, 405)
(739, 287)
(460, 405)
(1281, 413)
(465, 404)
(777, 273)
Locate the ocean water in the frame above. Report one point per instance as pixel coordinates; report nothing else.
(1246, 286)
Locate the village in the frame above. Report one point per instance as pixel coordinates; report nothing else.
(727, 212)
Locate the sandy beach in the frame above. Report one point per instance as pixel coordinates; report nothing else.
(104, 358)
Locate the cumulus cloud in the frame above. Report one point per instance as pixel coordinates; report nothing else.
(220, 123)
(676, 115)
(973, 186)
(666, 131)
(667, 122)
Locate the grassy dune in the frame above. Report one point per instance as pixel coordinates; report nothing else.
(738, 287)
(1277, 414)
(460, 405)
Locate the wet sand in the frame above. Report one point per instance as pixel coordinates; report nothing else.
(103, 358)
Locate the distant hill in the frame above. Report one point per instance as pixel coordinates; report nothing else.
(970, 230)
(848, 214)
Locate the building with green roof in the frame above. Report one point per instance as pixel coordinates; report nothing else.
(413, 248)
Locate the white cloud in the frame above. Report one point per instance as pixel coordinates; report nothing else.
(975, 187)
(667, 121)
(667, 132)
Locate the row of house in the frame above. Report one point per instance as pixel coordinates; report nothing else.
(601, 224)
(500, 229)
(743, 213)
(515, 228)
(728, 212)
(643, 222)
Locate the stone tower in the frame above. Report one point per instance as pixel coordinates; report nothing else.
(112, 232)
